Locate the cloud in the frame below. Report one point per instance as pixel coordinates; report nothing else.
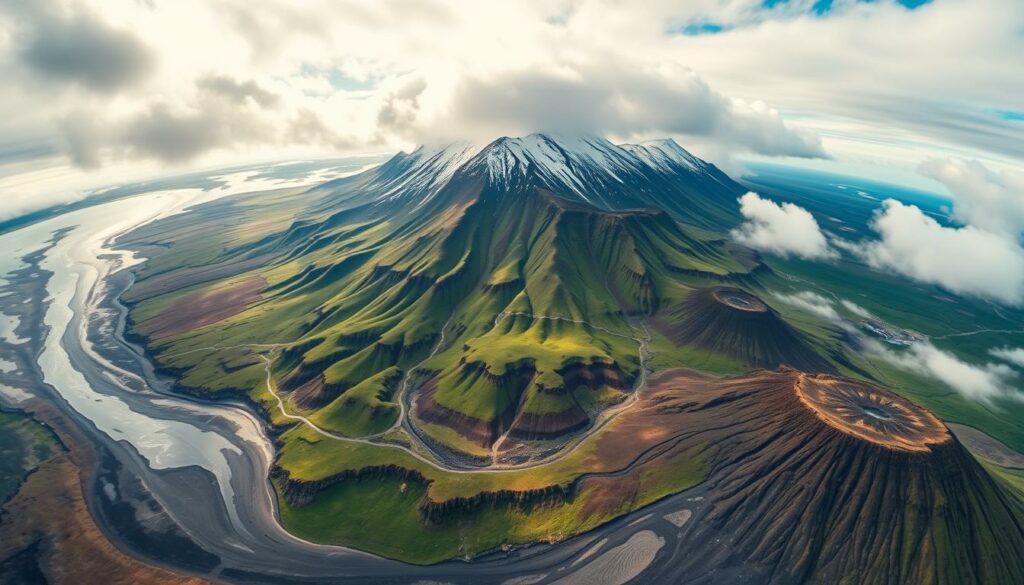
(856, 309)
(381, 77)
(239, 91)
(786, 229)
(163, 134)
(977, 382)
(886, 90)
(982, 382)
(178, 135)
(1013, 355)
(82, 139)
(811, 302)
(609, 95)
(508, 68)
(84, 50)
(964, 260)
(401, 108)
(990, 200)
(306, 127)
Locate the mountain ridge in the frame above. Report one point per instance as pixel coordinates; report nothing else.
(584, 168)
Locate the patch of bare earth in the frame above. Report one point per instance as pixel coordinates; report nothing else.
(48, 519)
(987, 447)
(202, 308)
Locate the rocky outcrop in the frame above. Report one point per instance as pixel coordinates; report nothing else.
(301, 493)
(507, 287)
(316, 393)
(513, 382)
(440, 512)
(531, 427)
(310, 388)
(593, 375)
(577, 375)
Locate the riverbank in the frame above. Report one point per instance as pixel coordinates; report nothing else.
(47, 528)
(184, 482)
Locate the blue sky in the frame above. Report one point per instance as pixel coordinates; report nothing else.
(820, 8)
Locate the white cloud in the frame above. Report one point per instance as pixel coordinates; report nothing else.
(856, 309)
(360, 74)
(982, 382)
(607, 95)
(964, 260)
(84, 50)
(786, 229)
(931, 77)
(825, 307)
(341, 73)
(1013, 355)
(977, 382)
(812, 302)
(984, 198)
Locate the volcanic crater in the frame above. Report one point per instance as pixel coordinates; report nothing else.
(736, 323)
(738, 299)
(871, 414)
(818, 478)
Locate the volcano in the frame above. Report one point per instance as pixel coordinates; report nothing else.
(500, 305)
(736, 323)
(824, 479)
(532, 250)
(589, 170)
(503, 284)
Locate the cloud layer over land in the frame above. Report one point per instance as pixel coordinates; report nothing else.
(123, 82)
(965, 260)
(329, 75)
(980, 255)
(983, 382)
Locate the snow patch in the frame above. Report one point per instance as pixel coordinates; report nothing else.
(585, 166)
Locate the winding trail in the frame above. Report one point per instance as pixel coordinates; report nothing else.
(201, 465)
(403, 388)
(437, 462)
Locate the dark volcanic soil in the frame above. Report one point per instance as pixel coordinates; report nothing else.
(812, 478)
(736, 323)
(481, 432)
(828, 480)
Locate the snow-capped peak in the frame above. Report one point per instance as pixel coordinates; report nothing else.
(584, 167)
(571, 162)
(423, 171)
(663, 153)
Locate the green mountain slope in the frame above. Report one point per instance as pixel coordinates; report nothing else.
(522, 310)
(513, 306)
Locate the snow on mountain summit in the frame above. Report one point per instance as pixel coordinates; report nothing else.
(664, 153)
(585, 168)
(574, 163)
(420, 173)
